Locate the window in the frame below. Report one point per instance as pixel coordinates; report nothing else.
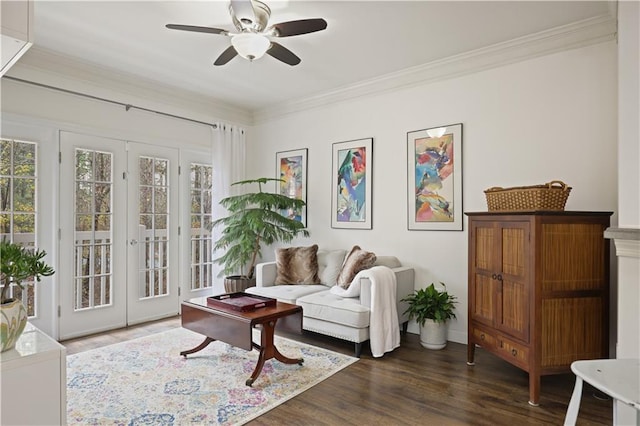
(201, 240)
(18, 191)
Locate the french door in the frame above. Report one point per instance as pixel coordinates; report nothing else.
(152, 233)
(118, 233)
(93, 234)
(197, 243)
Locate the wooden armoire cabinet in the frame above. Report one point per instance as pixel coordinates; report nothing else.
(539, 289)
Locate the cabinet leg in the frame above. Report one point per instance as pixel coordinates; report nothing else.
(471, 353)
(534, 389)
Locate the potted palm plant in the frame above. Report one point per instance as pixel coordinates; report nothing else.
(431, 309)
(254, 220)
(17, 263)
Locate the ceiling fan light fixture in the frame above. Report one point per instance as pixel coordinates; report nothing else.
(250, 46)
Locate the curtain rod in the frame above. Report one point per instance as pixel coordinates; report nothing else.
(127, 107)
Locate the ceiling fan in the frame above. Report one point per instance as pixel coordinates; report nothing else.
(253, 39)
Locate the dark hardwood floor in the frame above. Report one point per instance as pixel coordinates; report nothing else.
(411, 386)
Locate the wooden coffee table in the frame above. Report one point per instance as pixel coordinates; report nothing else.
(235, 328)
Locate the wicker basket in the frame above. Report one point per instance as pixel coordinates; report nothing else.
(550, 196)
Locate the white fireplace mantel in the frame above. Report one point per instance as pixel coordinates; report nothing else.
(627, 241)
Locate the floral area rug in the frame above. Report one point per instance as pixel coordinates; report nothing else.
(146, 382)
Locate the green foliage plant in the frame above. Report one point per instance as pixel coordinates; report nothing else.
(429, 303)
(17, 263)
(254, 220)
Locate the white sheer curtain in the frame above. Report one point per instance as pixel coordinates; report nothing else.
(229, 148)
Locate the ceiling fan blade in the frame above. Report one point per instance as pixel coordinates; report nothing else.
(283, 54)
(193, 28)
(226, 56)
(243, 9)
(302, 26)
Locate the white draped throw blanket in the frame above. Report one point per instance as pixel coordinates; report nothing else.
(384, 330)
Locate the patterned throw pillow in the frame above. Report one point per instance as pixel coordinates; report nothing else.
(356, 261)
(297, 265)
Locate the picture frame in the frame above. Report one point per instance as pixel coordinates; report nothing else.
(351, 184)
(291, 168)
(434, 179)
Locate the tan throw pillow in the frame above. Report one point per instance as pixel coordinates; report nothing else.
(297, 265)
(356, 261)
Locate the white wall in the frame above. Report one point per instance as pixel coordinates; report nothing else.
(552, 117)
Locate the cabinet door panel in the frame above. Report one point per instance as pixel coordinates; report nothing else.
(483, 307)
(514, 251)
(513, 314)
(485, 246)
(513, 292)
(482, 287)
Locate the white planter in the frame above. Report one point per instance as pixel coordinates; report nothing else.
(433, 335)
(13, 319)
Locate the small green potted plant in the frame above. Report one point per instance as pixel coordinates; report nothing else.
(431, 309)
(17, 263)
(254, 220)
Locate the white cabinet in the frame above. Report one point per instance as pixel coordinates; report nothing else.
(17, 31)
(33, 389)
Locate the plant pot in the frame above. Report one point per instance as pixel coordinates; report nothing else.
(238, 283)
(433, 335)
(13, 319)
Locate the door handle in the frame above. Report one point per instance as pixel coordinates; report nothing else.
(133, 242)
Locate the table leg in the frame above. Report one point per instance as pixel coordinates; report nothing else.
(268, 350)
(200, 347)
(574, 404)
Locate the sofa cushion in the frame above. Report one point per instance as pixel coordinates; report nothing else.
(287, 293)
(297, 265)
(356, 261)
(329, 265)
(332, 308)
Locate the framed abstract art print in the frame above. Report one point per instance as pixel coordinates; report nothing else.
(291, 169)
(351, 184)
(434, 178)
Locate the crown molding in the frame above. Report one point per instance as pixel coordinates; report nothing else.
(578, 34)
(46, 67)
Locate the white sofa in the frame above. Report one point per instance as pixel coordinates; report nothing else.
(326, 313)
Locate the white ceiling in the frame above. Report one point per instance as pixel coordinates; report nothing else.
(364, 40)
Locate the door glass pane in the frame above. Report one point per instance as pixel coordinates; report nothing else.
(18, 189)
(24, 194)
(103, 167)
(24, 159)
(83, 197)
(201, 239)
(146, 171)
(160, 201)
(102, 197)
(93, 229)
(154, 221)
